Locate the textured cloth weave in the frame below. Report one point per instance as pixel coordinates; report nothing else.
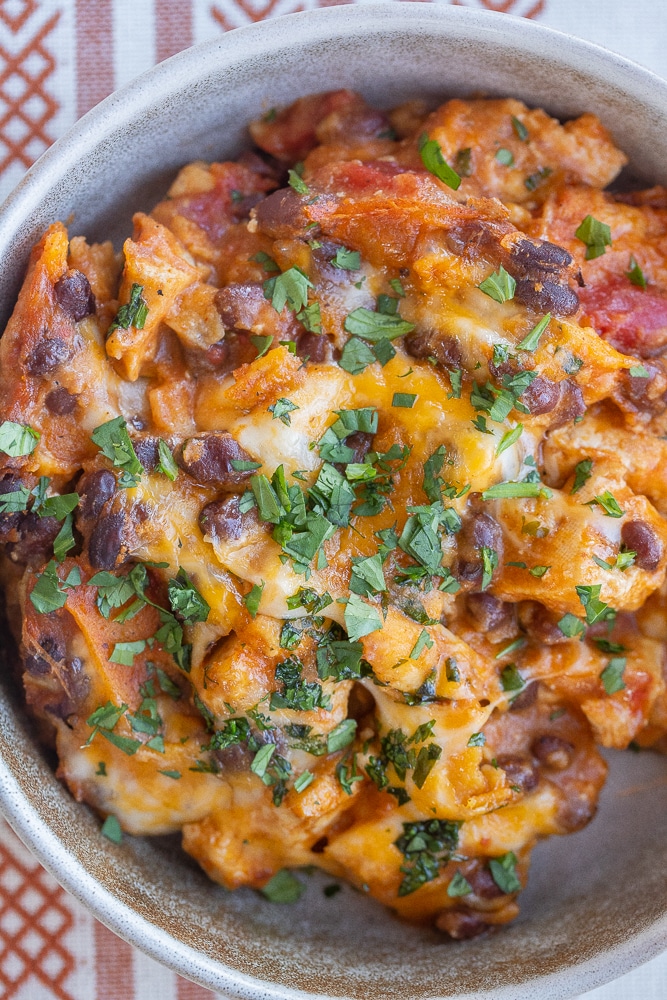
(58, 58)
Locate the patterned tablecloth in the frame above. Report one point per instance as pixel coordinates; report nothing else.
(57, 59)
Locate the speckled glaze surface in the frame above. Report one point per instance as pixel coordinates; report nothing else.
(596, 905)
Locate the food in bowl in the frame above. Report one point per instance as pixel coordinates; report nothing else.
(332, 509)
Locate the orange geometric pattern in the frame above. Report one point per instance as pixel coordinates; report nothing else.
(524, 8)
(34, 916)
(252, 12)
(28, 106)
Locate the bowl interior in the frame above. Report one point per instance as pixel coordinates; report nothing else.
(595, 906)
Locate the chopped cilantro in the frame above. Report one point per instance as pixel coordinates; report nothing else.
(499, 286)
(115, 444)
(347, 260)
(489, 565)
(283, 888)
(477, 740)
(268, 263)
(463, 162)
(435, 163)
(311, 317)
(503, 871)
(367, 576)
(532, 339)
(635, 274)
(612, 675)
(166, 464)
(341, 736)
(505, 157)
(459, 886)
(533, 181)
(262, 343)
(639, 371)
(111, 829)
(253, 597)
(281, 410)
(520, 129)
(511, 679)
(289, 288)
(125, 652)
(427, 847)
(596, 610)
(503, 491)
(134, 313)
(509, 438)
(406, 400)
(571, 626)
(596, 235)
(608, 503)
(582, 473)
(356, 356)
(17, 440)
(47, 595)
(360, 618)
(374, 326)
(297, 183)
(297, 694)
(185, 599)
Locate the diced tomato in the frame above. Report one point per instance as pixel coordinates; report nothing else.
(236, 189)
(631, 319)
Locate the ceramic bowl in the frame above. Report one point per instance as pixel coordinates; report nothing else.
(596, 904)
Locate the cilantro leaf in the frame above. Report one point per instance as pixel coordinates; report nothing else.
(635, 274)
(289, 288)
(582, 473)
(347, 260)
(47, 595)
(17, 440)
(532, 339)
(114, 442)
(374, 326)
(253, 597)
(503, 871)
(499, 286)
(185, 599)
(596, 235)
(281, 410)
(435, 163)
(166, 464)
(134, 313)
(367, 576)
(612, 675)
(360, 618)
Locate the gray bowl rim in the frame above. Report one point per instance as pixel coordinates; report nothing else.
(110, 115)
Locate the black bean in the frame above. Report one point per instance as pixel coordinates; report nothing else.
(74, 295)
(106, 541)
(315, 346)
(426, 343)
(282, 215)
(462, 925)
(481, 881)
(47, 356)
(533, 257)
(570, 404)
(360, 442)
(640, 537)
(578, 809)
(60, 402)
(539, 623)
(94, 489)
(239, 304)
(541, 396)
(146, 450)
(644, 395)
(208, 459)
(356, 123)
(489, 612)
(485, 531)
(77, 684)
(34, 544)
(8, 522)
(222, 520)
(525, 698)
(37, 665)
(546, 296)
(521, 772)
(553, 752)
